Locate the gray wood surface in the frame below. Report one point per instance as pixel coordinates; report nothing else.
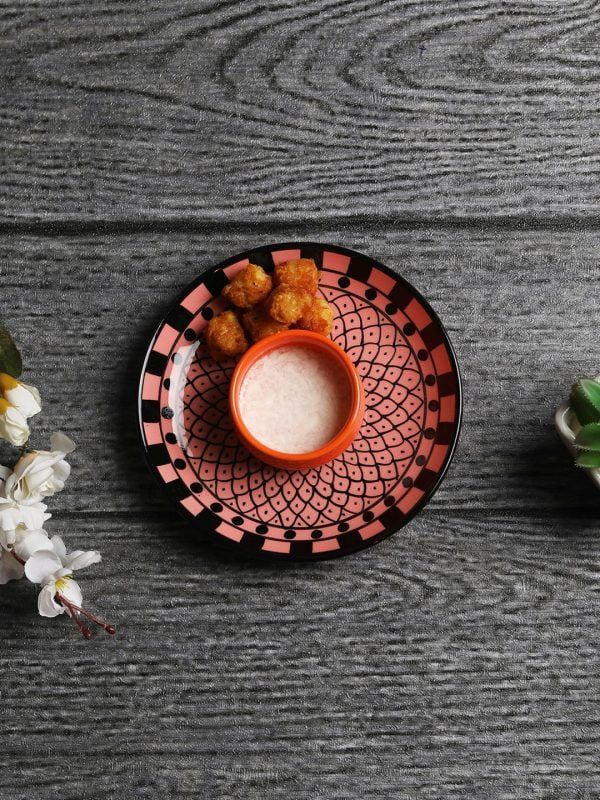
(310, 110)
(456, 142)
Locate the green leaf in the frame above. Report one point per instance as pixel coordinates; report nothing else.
(10, 358)
(585, 400)
(588, 437)
(588, 458)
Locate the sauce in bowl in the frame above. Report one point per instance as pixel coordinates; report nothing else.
(295, 399)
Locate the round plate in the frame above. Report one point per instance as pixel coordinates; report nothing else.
(393, 467)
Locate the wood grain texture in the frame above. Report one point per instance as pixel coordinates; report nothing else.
(458, 659)
(310, 110)
(518, 306)
(457, 142)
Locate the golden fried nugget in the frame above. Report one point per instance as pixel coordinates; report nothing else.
(299, 272)
(259, 324)
(287, 304)
(251, 285)
(225, 336)
(318, 317)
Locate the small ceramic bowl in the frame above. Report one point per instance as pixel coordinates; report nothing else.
(568, 426)
(344, 437)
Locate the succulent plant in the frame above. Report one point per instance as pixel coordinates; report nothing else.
(585, 404)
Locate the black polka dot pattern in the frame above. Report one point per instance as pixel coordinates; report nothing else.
(373, 310)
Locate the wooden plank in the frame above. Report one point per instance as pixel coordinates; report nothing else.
(460, 659)
(520, 307)
(309, 110)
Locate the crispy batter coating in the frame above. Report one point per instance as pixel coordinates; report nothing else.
(299, 272)
(225, 336)
(259, 324)
(250, 286)
(318, 317)
(287, 304)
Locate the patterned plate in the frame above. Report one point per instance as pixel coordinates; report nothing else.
(391, 470)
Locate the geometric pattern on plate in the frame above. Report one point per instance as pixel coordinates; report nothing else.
(411, 423)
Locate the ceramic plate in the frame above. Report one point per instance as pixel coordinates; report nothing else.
(411, 425)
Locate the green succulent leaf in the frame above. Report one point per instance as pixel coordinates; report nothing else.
(589, 459)
(10, 358)
(588, 437)
(585, 400)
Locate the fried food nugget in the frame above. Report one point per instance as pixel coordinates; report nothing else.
(225, 336)
(318, 317)
(299, 272)
(259, 323)
(286, 304)
(250, 286)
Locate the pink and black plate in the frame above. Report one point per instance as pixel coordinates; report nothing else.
(391, 470)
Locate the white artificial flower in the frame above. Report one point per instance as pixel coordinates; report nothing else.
(25, 545)
(20, 395)
(14, 516)
(53, 568)
(40, 473)
(13, 424)
(18, 402)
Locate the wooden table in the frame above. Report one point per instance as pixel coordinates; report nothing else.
(458, 143)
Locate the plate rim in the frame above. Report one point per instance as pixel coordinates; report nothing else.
(260, 555)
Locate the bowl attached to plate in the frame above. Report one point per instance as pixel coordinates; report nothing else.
(391, 468)
(296, 400)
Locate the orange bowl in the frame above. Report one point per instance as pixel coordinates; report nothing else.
(349, 428)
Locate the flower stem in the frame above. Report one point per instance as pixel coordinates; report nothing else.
(74, 611)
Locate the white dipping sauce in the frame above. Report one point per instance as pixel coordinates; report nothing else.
(295, 399)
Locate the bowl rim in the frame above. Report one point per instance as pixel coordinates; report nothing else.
(348, 430)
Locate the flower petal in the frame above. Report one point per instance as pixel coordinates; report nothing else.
(80, 559)
(72, 591)
(13, 427)
(14, 516)
(61, 442)
(25, 398)
(33, 516)
(59, 547)
(47, 605)
(42, 565)
(29, 542)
